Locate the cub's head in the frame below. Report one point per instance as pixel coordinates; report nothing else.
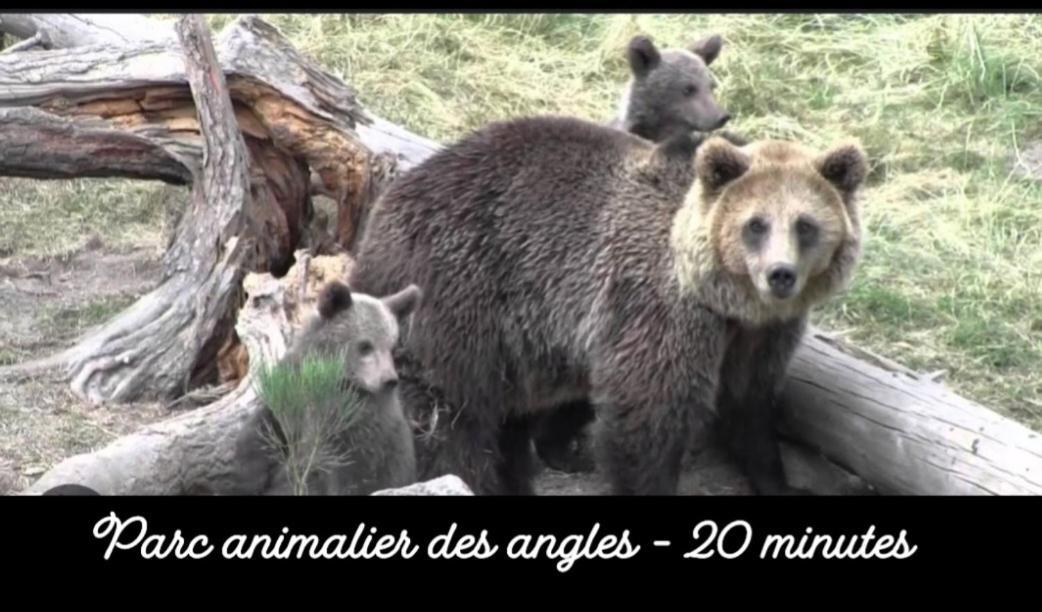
(364, 330)
(671, 91)
(783, 217)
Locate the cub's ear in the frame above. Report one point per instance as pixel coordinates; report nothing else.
(335, 298)
(718, 163)
(844, 166)
(404, 303)
(708, 48)
(642, 55)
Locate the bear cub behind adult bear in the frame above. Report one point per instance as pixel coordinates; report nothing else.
(670, 93)
(562, 260)
(362, 331)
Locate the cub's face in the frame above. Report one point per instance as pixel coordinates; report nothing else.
(364, 330)
(672, 91)
(779, 213)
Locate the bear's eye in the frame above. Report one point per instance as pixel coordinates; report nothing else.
(756, 227)
(364, 348)
(690, 90)
(805, 229)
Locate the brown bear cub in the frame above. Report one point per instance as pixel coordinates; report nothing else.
(378, 443)
(670, 92)
(563, 260)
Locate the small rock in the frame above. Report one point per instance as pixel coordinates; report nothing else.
(445, 485)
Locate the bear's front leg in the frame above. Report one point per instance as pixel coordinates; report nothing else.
(653, 376)
(641, 446)
(751, 378)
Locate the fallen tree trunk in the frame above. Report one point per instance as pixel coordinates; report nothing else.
(57, 30)
(902, 432)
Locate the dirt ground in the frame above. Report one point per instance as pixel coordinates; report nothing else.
(47, 305)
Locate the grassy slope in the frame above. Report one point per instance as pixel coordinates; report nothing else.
(953, 272)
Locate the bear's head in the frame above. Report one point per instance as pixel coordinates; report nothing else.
(783, 218)
(671, 90)
(364, 330)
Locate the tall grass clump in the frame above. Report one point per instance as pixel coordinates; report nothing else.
(311, 408)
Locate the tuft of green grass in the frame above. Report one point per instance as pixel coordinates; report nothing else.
(952, 274)
(311, 408)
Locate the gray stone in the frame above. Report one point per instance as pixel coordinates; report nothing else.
(444, 485)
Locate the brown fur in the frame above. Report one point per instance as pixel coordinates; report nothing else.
(561, 259)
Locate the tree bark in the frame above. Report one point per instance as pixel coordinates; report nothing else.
(57, 30)
(222, 235)
(41, 145)
(903, 432)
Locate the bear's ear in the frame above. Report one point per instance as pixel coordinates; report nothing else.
(642, 55)
(844, 166)
(404, 303)
(718, 163)
(335, 298)
(708, 48)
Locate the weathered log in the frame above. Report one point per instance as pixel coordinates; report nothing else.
(249, 49)
(903, 432)
(37, 144)
(224, 234)
(56, 30)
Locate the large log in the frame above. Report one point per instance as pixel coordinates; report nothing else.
(904, 432)
(56, 30)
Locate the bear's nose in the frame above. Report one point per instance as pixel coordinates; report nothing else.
(781, 278)
(723, 120)
(390, 384)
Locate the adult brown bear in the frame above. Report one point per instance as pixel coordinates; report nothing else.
(561, 259)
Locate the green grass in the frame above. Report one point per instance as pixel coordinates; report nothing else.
(952, 277)
(311, 410)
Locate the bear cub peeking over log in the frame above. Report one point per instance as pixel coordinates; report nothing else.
(371, 447)
(562, 260)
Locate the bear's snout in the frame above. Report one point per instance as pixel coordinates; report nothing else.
(782, 279)
(390, 384)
